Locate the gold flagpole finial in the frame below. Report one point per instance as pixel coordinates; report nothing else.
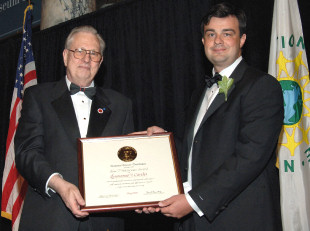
(28, 7)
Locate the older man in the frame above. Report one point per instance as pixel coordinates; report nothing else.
(54, 115)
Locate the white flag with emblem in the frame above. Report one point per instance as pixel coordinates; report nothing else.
(288, 63)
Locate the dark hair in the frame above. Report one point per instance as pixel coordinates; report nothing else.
(223, 10)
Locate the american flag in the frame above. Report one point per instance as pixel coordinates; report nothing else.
(14, 187)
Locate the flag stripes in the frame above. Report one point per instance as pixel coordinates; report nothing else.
(14, 187)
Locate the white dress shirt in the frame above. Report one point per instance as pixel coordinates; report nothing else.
(209, 96)
(82, 105)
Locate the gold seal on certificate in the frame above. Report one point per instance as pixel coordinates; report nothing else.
(126, 172)
(127, 153)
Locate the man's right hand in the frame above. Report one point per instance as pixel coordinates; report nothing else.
(150, 131)
(70, 195)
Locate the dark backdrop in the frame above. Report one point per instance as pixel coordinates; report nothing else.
(154, 56)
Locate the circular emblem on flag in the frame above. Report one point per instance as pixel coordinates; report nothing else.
(292, 102)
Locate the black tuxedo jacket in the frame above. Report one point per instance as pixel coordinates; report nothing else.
(235, 181)
(46, 143)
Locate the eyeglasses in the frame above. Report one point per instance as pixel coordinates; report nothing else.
(80, 53)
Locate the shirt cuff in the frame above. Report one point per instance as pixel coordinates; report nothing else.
(47, 189)
(193, 205)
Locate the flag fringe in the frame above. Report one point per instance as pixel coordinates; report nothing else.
(6, 215)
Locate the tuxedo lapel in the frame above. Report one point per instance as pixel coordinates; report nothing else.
(99, 114)
(217, 102)
(63, 106)
(237, 75)
(193, 112)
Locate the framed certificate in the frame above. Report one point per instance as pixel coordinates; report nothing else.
(127, 172)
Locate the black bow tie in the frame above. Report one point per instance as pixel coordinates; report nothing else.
(89, 91)
(212, 80)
